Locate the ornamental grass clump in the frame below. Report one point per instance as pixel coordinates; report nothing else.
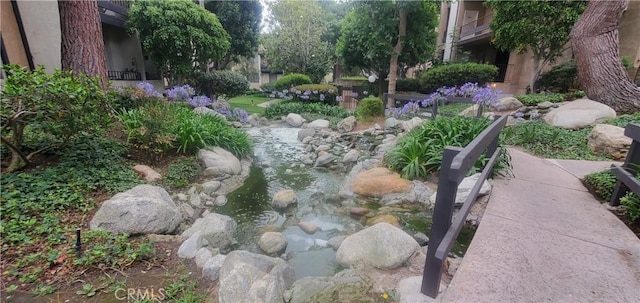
(419, 154)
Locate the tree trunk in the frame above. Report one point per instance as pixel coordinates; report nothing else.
(595, 43)
(397, 49)
(82, 43)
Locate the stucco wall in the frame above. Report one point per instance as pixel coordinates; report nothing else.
(629, 35)
(41, 21)
(11, 35)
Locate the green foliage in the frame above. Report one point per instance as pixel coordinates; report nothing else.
(184, 291)
(370, 107)
(456, 74)
(623, 120)
(297, 42)
(147, 126)
(241, 20)
(419, 154)
(268, 87)
(220, 82)
(182, 171)
(370, 31)
(59, 106)
(541, 26)
(178, 35)
(290, 80)
(104, 249)
(630, 203)
(535, 99)
(283, 108)
(323, 93)
(573, 95)
(407, 85)
(602, 184)
(562, 78)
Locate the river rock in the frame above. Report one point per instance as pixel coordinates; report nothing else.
(408, 289)
(336, 241)
(390, 219)
(202, 256)
(609, 139)
(506, 103)
(294, 120)
(284, 198)
(464, 189)
(347, 124)
(220, 201)
(378, 182)
(421, 238)
(210, 187)
(190, 247)
(471, 111)
(359, 211)
(419, 193)
(305, 133)
(546, 105)
(324, 159)
(319, 124)
(148, 173)
(219, 162)
(217, 229)
(579, 114)
(211, 269)
(247, 278)
(382, 245)
(391, 123)
(144, 209)
(411, 124)
(345, 286)
(308, 227)
(272, 243)
(351, 156)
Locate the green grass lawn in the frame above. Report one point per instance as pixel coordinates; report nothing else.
(248, 103)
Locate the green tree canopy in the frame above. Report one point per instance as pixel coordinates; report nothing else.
(178, 35)
(295, 43)
(241, 20)
(540, 26)
(370, 32)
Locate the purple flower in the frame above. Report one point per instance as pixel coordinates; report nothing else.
(485, 96)
(220, 105)
(180, 93)
(148, 90)
(241, 114)
(200, 101)
(519, 114)
(321, 97)
(467, 89)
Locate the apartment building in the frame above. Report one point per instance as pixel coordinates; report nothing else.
(30, 36)
(464, 31)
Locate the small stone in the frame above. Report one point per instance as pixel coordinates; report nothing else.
(182, 197)
(148, 173)
(211, 269)
(202, 256)
(210, 187)
(220, 201)
(272, 243)
(308, 227)
(190, 247)
(421, 238)
(359, 211)
(336, 241)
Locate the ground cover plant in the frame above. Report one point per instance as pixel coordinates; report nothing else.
(419, 154)
(286, 107)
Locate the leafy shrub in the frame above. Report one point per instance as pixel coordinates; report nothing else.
(147, 126)
(630, 203)
(456, 74)
(535, 99)
(323, 93)
(256, 92)
(283, 108)
(602, 184)
(59, 105)
(370, 107)
(219, 83)
(103, 248)
(181, 172)
(560, 79)
(268, 87)
(132, 96)
(408, 85)
(419, 154)
(623, 120)
(290, 80)
(573, 95)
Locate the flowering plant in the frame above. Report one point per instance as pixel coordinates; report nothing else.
(180, 93)
(146, 89)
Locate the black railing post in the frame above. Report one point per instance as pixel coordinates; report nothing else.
(441, 221)
(633, 157)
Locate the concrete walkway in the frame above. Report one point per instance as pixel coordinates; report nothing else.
(266, 104)
(544, 238)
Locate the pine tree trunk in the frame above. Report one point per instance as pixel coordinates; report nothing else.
(397, 49)
(595, 43)
(82, 43)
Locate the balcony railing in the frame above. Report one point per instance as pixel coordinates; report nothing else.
(475, 26)
(124, 75)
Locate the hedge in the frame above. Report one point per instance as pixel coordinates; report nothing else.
(456, 74)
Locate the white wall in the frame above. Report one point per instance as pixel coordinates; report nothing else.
(41, 21)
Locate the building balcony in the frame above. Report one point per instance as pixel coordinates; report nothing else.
(124, 75)
(114, 12)
(476, 29)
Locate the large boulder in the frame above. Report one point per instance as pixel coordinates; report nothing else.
(306, 132)
(347, 124)
(219, 230)
(609, 139)
(579, 114)
(294, 120)
(284, 198)
(219, 162)
(411, 124)
(320, 123)
(248, 277)
(144, 209)
(378, 182)
(382, 246)
(464, 189)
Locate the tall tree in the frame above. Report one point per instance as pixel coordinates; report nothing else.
(241, 20)
(82, 44)
(178, 35)
(600, 70)
(296, 42)
(540, 26)
(372, 30)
